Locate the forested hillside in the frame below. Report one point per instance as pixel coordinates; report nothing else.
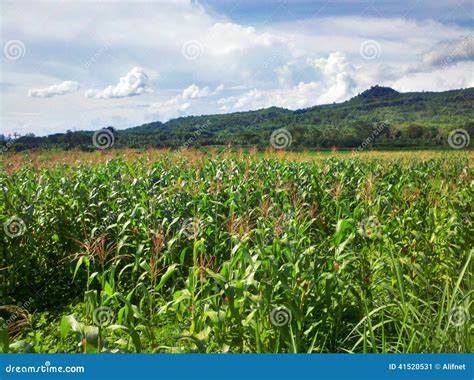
(380, 116)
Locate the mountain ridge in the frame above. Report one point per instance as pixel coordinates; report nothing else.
(412, 119)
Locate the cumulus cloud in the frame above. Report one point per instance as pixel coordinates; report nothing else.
(440, 78)
(134, 83)
(180, 105)
(334, 80)
(169, 109)
(338, 76)
(66, 87)
(301, 62)
(194, 91)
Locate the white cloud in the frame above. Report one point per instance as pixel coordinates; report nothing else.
(334, 81)
(134, 83)
(229, 38)
(181, 104)
(219, 89)
(299, 63)
(169, 109)
(194, 91)
(450, 52)
(442, 78)
(338, 76)
(66, 87)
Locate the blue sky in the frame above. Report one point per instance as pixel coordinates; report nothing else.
(256, 12)
(89, 64)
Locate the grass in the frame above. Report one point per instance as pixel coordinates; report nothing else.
(237, 251)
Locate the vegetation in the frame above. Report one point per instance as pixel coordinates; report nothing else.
(380, 116)
(236, 252)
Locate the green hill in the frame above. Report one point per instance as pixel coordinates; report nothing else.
(380, 116)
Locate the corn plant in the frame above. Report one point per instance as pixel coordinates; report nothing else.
(239, 253)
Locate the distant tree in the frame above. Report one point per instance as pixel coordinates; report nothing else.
(415, 131)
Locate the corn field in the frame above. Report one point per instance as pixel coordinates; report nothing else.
(237, 253)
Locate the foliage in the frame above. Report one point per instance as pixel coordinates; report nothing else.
(364, 255)
(380, 116)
